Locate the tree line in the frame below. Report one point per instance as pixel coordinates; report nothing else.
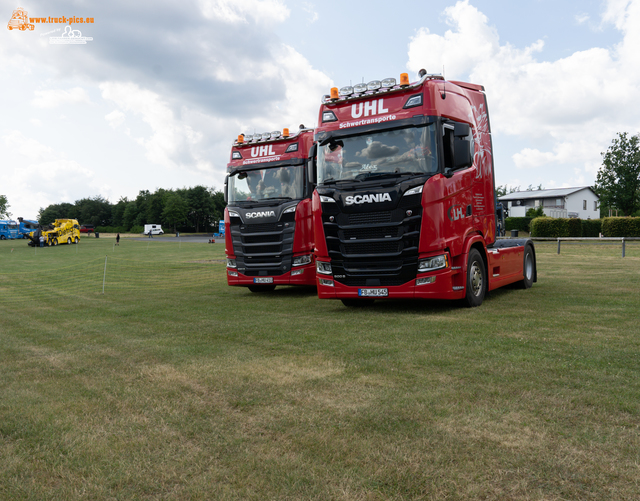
(196, 209)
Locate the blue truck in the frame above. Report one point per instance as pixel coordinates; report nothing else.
(26, 226)
(8, 229)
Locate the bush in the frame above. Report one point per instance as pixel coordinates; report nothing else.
(591, 227)
(110, 229)
(556, 227)
(621, 227)
(137, 229)
(517, 223)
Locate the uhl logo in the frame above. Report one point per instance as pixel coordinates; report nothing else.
(262, 151)
(374, 107)
(456, 213)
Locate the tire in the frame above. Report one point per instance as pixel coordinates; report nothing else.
(476, 279)
(357, 303)
(69, 241)
(76, 240)
(528, 268)
(262, 288)
(2, 237)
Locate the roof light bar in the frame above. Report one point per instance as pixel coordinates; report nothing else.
(346, 91)
(374, 85)
(360, 88)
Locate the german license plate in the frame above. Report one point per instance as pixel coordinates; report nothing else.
(263, 280)
(373, 292)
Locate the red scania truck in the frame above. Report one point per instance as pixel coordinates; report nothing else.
(405, 203)
(269, 232)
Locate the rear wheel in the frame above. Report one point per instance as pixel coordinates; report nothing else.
(76, 240)
(69, 241)
(54, 242)
(261, 288)
(476, 279)
(2, 237)
(357, 303)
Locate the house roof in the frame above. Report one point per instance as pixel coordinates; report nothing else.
(538, 194)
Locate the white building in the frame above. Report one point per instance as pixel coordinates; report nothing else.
(580, 202)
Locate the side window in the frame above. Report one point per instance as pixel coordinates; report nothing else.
(595, 205)
(454, 136)
(584, 205)
(447, 137)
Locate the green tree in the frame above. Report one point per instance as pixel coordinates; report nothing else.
(4, 207)
(95, 211)
(175, 210)
(539, 212)
(618, 180)
(56, 211)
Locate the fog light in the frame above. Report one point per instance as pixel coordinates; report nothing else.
(323, 268)
(296, 272)
(327, 282)
(425, 280)
(232, 273)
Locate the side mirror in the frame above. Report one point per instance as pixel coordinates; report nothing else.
(312, 166)
(226, 189)
(462, 157)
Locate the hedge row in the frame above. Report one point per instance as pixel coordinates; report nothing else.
(517, 223)
(608, 227)
(119, 229)
(621, 227)
(556, 227)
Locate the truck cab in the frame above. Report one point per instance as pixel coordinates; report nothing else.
(405, 205)
(9, 230)
(269, 234)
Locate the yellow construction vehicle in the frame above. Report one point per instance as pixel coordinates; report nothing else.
(62, 231)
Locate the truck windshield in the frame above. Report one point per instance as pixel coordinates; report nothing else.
(267, 184)
(402, 151)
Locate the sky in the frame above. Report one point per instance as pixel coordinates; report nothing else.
(158, 92)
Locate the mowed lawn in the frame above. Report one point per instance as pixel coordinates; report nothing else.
(172, 385)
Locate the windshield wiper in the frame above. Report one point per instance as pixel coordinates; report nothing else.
(274, 198)
(368, 175)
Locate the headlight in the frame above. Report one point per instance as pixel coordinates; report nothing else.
(433, 263)
(327, 200)
(231, 263)
(301, 260)
(289, 209)
(323, 267)
(413, 191)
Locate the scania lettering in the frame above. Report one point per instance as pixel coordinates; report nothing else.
(405, 203)
(269, 232)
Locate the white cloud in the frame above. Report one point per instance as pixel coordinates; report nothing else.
(40, 173)
(58, 97)
(115, 118)
(310, 9)
(170, 139)
(234, 12)
(576, 103)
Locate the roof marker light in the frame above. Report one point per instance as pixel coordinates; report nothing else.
(285, 132)
(334, 93)
(374, 85)
(388, 82)
(360, 88)
(404, 78)
(241, 139)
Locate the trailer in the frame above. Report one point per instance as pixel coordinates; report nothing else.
(405, 203)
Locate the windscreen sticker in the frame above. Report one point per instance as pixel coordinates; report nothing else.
(367, 121)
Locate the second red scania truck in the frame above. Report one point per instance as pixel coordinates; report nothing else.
(269, 233)
(405, 203)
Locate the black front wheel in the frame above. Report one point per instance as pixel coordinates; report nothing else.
(476, 279)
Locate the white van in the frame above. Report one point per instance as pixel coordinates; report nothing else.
(154, 229)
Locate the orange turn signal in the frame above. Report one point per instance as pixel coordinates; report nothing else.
(404, 79)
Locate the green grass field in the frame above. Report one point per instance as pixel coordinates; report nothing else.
(172, 385)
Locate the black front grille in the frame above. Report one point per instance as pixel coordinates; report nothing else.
(375, 248)
(263, 249)
(370, 218)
